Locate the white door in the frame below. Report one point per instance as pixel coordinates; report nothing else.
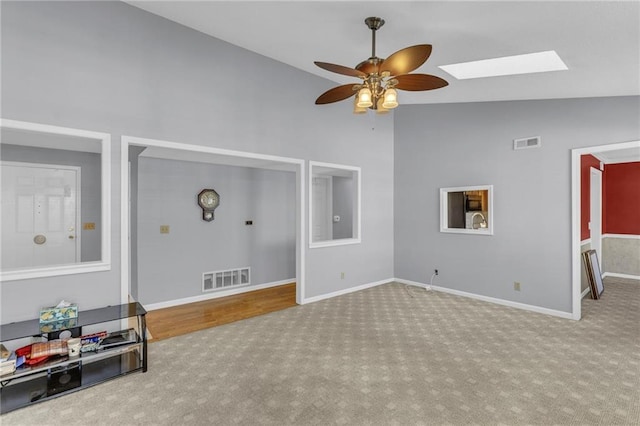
(595, 213)
(322, 209)
(40, 214)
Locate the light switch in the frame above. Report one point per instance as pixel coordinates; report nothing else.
(164, 229)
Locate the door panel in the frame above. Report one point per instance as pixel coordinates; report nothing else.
(39, 215)
(321, 193)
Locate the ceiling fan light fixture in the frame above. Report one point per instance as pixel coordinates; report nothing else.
(380, 109)
(356, 108)
(390, 99)
(364, 98)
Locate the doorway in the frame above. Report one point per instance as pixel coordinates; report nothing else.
(202, 154)
(576, 264)
(40, 215)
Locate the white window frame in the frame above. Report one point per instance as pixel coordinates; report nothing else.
(104, 264)
(357, 214)
(444, 210)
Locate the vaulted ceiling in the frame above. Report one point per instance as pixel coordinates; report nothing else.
(598, 41)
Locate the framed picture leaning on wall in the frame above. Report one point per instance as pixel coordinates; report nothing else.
(590, 258)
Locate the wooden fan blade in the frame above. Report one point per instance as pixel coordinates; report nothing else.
(406, 60)
(336, 94)
(417, 82)
(339, 69)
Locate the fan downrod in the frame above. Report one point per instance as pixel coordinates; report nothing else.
(374, 23)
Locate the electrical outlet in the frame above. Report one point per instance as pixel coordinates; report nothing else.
(436, 271)
(164, 229)
(516, 286)
(342, 275)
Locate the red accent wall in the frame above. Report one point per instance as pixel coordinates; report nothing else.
(586, 162)
(621, 193)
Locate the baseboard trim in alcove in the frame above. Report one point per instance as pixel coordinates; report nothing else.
(215, 295)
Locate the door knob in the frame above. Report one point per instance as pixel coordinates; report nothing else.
(71, 237)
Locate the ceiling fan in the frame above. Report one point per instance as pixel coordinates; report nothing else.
(381, 77)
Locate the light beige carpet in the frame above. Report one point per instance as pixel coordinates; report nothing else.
(390, 355)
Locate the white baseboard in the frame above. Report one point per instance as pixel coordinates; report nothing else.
(409, 282)
(523, 306)
(345, 291)
(518, 305)
(616, 275)
(215, 295)
(585, 292)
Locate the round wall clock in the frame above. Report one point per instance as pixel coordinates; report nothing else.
(208, 199)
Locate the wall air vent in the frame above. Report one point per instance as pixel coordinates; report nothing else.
(524, 143)
(220, 280)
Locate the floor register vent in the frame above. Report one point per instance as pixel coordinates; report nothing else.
(219, 280)
(525, 143)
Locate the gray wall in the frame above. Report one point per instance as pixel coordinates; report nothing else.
(90, 178)
(343, 203)
(110, 67)
(272, 244)
(472, 144)
(170, 266)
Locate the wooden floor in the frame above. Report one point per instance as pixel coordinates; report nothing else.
(183, 319)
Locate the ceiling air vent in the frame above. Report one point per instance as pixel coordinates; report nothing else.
(524, 143)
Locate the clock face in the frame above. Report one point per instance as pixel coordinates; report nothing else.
(209, 199)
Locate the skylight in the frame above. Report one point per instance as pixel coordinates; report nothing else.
(508, 65)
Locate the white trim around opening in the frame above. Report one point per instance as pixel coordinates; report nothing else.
(220, 156)
(356, 219)
(576, 153)
(79, 140)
